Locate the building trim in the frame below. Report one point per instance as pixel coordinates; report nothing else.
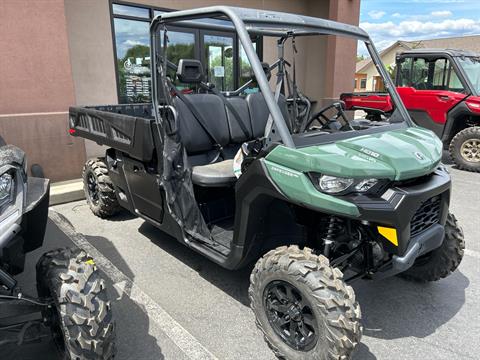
(34, 114)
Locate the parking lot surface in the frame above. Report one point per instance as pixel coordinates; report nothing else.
(171, 303)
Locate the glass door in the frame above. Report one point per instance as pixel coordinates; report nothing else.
(219, 55)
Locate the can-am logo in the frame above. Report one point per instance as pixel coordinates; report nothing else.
(284, 172)
(419, 155)
(370, 152)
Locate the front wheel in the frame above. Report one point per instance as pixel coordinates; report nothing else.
(465, 149)
(80, 317)
(303, 307)
(443, 261)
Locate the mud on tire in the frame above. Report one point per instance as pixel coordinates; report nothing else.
(335, 312)
(99, 189)
(465, 149)
(82, 322)
(442, 261)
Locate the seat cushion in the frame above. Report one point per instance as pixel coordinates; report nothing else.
(218, 174)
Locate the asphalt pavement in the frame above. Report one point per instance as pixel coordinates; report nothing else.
(171, 303)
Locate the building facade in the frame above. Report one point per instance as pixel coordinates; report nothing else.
(59, 53)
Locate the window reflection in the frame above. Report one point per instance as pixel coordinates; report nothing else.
(246, 70)
(219, 55)
(130, 11)
(181, 45)
(133, 60)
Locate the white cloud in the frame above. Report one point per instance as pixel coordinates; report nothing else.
(384, 34)
(375, 14)
(396, 15)
(417, 28)
(130, 42)
(441, 13)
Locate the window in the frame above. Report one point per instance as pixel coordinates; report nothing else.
(133, 11)
(219, 60)
(133, 60)
(181, 45)
(471, 66)
(404, 72)
(245, 69)
(224, 60)
(363, 83)
(429, 74)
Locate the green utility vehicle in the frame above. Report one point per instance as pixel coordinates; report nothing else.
(316, 199)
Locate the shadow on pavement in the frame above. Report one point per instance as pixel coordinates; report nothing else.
(396, 308)
(132, 324)
(362, 352)
(233, 283)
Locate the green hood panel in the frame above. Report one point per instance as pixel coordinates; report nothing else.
(396, 155)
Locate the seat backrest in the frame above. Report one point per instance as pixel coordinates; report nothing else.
(193, 136)
(259, 112)
(237, 134)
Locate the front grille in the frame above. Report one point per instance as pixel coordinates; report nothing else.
(427, 215)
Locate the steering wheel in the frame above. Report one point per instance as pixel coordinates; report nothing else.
(320, 116)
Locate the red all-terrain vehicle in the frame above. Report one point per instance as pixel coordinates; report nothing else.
(441, 90)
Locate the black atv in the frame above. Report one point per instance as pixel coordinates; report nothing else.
(72, 304)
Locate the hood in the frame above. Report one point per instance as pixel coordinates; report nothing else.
(396, 155)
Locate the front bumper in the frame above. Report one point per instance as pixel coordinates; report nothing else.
(399, 205)
(427, 241)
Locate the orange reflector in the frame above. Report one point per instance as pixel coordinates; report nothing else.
(388, 233)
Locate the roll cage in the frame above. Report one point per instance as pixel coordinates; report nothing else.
(269, 23)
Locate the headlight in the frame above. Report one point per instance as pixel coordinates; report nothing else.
(6, 188)
(333, 184)
(340, 185)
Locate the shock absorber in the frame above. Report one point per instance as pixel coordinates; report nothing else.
(332, 230)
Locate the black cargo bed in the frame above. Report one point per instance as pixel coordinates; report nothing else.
(127, 128)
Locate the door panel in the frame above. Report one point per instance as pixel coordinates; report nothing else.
(144, 190)
(436, 103)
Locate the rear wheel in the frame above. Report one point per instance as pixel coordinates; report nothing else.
(99, 189)
(465, 149)
(303, 307)
(442, 261)
(81, 318)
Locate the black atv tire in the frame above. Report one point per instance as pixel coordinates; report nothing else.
(443, 261)
(465, 149)
(99, 189)
(81, 320)
(325, 300)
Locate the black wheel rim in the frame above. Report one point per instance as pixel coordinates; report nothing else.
(290, 315)
(92, 188)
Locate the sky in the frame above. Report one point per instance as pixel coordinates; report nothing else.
(389, 21)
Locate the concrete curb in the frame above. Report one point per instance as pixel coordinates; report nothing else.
(66, 191)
